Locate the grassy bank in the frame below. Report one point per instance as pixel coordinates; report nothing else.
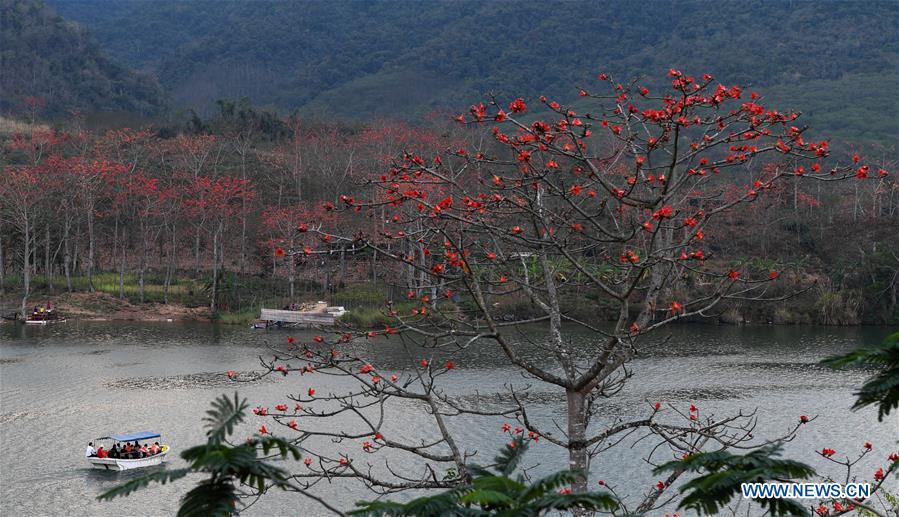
(241, 298)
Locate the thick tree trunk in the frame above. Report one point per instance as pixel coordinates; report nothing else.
(577, 432)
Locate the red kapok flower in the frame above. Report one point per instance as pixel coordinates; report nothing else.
(518, 106)
(311, 391)
(279, 252)
(803, 419)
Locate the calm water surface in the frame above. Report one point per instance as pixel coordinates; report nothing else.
(62, 385)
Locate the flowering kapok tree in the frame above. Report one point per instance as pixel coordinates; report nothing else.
(620, 200)
(219, 200)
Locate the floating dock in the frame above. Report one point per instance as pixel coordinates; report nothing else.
(318, 314)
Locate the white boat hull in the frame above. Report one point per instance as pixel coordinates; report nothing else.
(43, 322)
(120, 464)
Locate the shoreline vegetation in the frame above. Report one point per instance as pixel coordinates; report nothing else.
(116, 299)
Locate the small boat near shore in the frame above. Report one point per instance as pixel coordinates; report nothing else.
(44, 321)
(119, 464)
(44, 315)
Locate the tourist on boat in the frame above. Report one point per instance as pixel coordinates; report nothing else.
(154, 449)
(144, 452)
(90, 450)
(101, 453)
(114, 452)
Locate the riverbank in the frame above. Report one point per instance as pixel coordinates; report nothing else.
(106, 307)
(241, 298)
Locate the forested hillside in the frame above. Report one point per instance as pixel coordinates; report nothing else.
(53, 66)
(836, 61)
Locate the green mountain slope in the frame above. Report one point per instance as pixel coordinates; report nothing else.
(356, 59)
(42, 55)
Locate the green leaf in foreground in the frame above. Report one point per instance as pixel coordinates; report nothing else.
(497, 493)
(882, 388)
(722, 473)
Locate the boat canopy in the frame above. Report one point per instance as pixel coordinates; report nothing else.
(131, 437)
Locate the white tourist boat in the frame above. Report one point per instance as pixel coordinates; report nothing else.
(126, 464)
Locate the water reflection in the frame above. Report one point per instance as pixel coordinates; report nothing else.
(65, 384)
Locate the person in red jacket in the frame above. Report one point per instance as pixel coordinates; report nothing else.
(101, 453)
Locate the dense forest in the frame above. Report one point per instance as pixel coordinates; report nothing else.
(54, 66)
(202, 213)
(836, 61)
(332, 93)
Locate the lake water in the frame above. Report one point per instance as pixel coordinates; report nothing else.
(63, 385)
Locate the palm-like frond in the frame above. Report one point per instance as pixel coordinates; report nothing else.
(509, 457)
(212, 497)
(446, 503)
(224, 415)
(497, 494)
(549, 484)
(723, 473)
(590, 501)
(882, 388)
